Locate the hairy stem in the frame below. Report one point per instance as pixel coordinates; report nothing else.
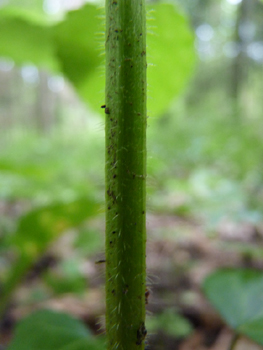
(125, 113)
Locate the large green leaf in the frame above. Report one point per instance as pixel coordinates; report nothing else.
(76, 39)
(170, 56)
(41, 226)
(49, 330)
(69, 46)
(36, 230)
(35, 6)
(237, 295)
(75, 47)
(26, 38)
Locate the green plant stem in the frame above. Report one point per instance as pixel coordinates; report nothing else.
(14, 279)
(125, 114)
(234, 341)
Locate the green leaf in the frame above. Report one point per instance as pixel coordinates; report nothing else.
(170, 53)
(237, 295)
(68, 278)
(77, 40)
(26, 39)
(171, 323)
(75, 46)
(36, 230)
(41, 226)
(70, 46)
(171, 56)
(36, 7)
(49, 330)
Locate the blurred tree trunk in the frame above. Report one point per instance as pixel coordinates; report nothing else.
(6, 100)
(244, 33)
(44, 105)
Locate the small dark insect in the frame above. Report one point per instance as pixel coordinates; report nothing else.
(103, 106)
(141, 334)
(147, 294)
(100, 261)
(125, 290)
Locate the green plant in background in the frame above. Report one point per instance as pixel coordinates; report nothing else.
(35, 232)
(125, 112)
(171, 323)
(237, 296)
(51, 330)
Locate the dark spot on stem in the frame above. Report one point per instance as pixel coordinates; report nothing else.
(125, 290)
(107, 110)
(141, 334)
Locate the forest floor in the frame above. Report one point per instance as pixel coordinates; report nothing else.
(180, 254)
(181, 264)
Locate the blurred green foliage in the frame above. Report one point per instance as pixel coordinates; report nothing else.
(237, 295)
(74, 47)
(51, 330)
(169, 322)
(52, 168)
(35, 232)
(212, 165)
